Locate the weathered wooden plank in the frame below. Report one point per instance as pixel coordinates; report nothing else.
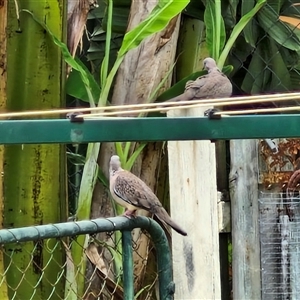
(193, 192)
(244, 212)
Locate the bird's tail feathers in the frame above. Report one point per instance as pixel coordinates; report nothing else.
(163, 215)
(176, 227)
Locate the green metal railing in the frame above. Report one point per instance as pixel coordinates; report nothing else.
(68, 229)
(148, 129)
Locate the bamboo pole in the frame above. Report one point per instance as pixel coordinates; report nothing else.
(34, 182)
(3, 99)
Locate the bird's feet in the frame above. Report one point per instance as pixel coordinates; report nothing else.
(129, 214)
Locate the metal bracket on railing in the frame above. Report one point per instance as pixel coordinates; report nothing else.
(211, 114)
(73, 117)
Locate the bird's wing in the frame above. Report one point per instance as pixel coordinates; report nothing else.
(216, 85)
(222, 85)
(198, 83)
(135, 192)
(202, 86)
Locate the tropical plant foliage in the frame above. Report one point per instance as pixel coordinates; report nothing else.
(260, 39)
(265, 56)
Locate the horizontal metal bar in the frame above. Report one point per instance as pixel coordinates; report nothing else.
(34, 233)
(149, 129)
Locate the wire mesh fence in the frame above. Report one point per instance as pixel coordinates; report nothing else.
(265, 57)
(280, 245)
(41, 269)
(34, 266)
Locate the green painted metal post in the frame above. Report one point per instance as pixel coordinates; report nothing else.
(127, 266)
(164, 261)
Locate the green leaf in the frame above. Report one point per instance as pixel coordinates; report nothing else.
(96, 51)
(128, 165)
(281, 80)
(157, 20)
(237, 30)
(233, 4)
(120, 152)
(215, 28)
(257, 76)
(126, 150)
(279, 31)
(295, 79)
(70, 283)
(229, 13)
(87, 184)
(250, 30)
(289, 9)
(275, 5)
(75, 86)
(76, 159)
(239, 55)
(105, 62)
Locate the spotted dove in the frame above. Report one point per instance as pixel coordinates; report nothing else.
(212, 85)
(131, 192)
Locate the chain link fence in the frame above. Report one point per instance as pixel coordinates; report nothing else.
(51, 262)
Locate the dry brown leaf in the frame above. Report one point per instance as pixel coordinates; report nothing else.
(96, 259)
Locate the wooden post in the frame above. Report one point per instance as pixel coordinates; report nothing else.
(244, 212)
(193, 193)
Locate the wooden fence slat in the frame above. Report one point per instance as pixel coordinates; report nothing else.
(244, 215)
(193, 192)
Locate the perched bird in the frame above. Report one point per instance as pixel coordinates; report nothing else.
(131, 192)
(212, 85)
